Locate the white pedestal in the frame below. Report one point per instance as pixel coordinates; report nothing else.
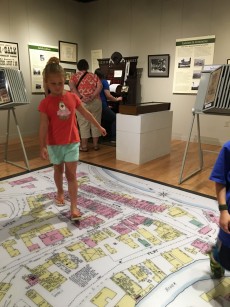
(142, 138)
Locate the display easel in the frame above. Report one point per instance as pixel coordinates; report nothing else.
(12, 93)
(200, 152)
(213, 98)
(12, 110)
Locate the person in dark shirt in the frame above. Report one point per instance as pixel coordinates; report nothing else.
(108, 115)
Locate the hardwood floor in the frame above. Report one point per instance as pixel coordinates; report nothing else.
(165, 169)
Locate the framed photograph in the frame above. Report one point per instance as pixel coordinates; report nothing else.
(68, 74)
(158, 65)
(68, 52)
(228, 61)
(9, 56)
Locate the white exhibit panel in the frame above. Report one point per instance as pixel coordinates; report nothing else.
(145, 137)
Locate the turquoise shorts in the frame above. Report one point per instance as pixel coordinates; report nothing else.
(63, 153)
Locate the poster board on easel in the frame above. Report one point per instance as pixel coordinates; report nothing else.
(12, 88)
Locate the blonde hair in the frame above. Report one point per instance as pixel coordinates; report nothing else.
(52, 67)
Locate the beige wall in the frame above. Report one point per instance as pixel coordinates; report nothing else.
(132, 27)
(41, 22)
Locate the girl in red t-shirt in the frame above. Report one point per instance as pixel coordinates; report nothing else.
(58, 132)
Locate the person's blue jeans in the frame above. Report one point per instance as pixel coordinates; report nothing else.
(109, 122)
(221, 254)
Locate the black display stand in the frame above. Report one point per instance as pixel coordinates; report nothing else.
(143, 108)
(121, 71)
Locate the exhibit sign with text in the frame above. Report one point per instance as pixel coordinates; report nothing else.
(9, 55)
(39, 56)
(190, 57)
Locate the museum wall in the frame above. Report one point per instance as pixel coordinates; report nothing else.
(132, 27)
(42, 22)
(148, 27)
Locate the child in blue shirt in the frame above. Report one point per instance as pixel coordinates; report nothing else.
(220, 254)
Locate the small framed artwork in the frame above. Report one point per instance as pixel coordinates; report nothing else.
(68, 74)
(228, 61)
(9, 55)
(68, 52)
(158, 65)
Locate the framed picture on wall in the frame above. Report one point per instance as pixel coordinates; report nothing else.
(68, 74)
(68, 52)
(228, 61)
(158, 65)
(9, 56)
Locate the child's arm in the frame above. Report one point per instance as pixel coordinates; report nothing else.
(43, 134)
(110, 97)
(91, 118)
(224, 215)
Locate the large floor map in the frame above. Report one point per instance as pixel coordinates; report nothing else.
(139, 243)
